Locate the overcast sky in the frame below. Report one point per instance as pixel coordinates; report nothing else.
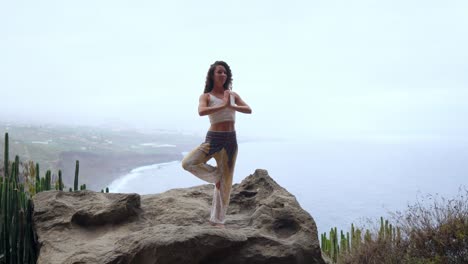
(306, 68)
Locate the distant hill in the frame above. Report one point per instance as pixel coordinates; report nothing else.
(104, 153)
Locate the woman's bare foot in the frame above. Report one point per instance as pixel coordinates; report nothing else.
(217, 225)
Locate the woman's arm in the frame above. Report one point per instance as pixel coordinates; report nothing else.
(240, 105)
(204, 109)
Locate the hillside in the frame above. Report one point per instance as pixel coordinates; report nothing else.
(104, 153)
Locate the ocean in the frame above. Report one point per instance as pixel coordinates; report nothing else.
(338, 182)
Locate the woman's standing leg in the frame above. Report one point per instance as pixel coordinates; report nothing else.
(222, 191)
(223, 148)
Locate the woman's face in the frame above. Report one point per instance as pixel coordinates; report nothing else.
(219, 75)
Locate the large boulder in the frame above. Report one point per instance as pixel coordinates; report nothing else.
(265, 224)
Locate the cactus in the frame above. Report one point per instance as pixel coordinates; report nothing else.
(390, 232)
(322, 241)
(347, 242)
(43, 184)
(6, 159)
(60, 182)
(333, 247)
(382, 229)
(325, 244)
(342, 242)
(49, 180)
(16, 168)
(38, 179)
(5, 214)
(46, 181)
(386, 230)
(77, 169)
(21, 229)
(14, 239)
(337, 246)
(30, 253)
(353, 237)
(12, 172)
(367, 236)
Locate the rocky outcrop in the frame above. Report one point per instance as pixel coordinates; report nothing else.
(265, 224)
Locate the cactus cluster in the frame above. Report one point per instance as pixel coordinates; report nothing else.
(335, 249)
(17, 239)
(387, 232)
(16, 231)
(330, 245)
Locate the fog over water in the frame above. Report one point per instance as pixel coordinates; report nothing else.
(307, 68)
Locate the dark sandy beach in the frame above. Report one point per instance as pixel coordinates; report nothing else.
(97, 171)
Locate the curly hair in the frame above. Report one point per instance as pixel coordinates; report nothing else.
(209, 76)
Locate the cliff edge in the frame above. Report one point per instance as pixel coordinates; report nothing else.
(265, 224)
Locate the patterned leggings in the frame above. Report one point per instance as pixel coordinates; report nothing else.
(222, 146)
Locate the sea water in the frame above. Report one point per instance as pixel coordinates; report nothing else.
(338, 182)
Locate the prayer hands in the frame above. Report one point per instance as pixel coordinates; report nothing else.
(227, 98)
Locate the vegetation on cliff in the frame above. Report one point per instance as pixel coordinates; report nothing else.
(434, 230)
(17, 187)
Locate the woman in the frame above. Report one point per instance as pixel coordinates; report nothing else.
(220, 104)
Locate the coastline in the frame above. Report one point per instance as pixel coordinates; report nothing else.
(98, 171)
(117, 184)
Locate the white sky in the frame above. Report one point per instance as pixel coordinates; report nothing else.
(307, 68)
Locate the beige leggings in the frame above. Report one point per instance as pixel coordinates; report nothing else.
(222, 146)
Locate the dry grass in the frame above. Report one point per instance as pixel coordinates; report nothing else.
(434, 230)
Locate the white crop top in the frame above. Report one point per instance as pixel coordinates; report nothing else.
(226, 114)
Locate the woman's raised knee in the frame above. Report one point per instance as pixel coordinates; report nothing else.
(186, 164)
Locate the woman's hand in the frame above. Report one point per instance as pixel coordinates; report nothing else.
(227, 98)
(204, 109)
(239, 104)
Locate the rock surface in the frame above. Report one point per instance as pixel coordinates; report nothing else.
(265, 224)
